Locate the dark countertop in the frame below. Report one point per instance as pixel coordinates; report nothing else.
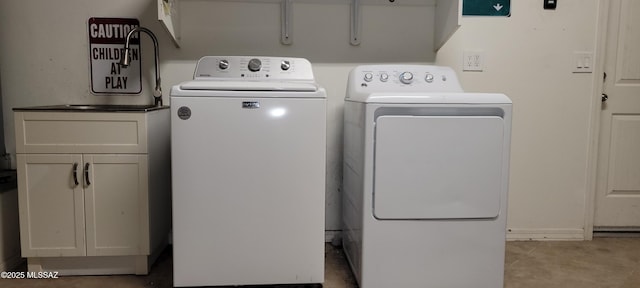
(93, 108)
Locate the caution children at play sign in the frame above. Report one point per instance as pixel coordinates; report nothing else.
(106, 47)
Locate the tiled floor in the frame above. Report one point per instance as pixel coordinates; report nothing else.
(603, 262)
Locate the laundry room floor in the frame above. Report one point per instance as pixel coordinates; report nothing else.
(603, 262)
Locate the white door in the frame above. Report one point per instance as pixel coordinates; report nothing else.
(116, 207)
(51, 205)
(617, 205)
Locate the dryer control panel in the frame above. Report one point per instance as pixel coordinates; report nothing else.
(253, 68)
(409, 78)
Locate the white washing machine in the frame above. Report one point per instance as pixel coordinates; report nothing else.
(426, 170)
(248, 142)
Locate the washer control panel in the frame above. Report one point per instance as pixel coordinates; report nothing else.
(410, 78)
(253, 68)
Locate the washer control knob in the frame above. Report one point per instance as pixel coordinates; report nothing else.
(254, 65)
(285, 65)
(406, 77)
(223, 64)
(368, 77)
(384, 77)
(428, 78)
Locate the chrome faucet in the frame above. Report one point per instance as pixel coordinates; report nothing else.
(124, 61)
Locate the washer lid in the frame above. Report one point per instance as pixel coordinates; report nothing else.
(249, 86)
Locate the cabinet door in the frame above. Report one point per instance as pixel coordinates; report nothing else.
(51, 205)
(116, 204)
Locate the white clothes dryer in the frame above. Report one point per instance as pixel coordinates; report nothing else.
(426, 170)
(248, 142)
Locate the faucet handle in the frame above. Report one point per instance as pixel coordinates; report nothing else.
(157, 97)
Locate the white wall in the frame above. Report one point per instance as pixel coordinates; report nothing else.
(528, 56)
(44, 51)
(320, 30)
(44, 60)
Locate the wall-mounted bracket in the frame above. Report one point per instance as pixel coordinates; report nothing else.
(168, 15)
(355, 22)
(447, 16)
(285, 15)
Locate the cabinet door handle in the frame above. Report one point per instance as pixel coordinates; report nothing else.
(86, 174)
(75, 174)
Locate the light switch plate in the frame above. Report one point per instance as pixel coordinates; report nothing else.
(473, 61)
(582, 62)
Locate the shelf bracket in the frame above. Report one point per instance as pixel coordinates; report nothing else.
(355, 22)
(168, 15)
(285, 15)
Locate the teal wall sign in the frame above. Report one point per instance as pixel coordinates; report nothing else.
(486, 8)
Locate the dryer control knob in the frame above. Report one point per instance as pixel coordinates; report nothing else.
(406, 77)
(429, 78)
(384, 77)
(368, 77)
(254, 65)
(285, 65)
(223, 64)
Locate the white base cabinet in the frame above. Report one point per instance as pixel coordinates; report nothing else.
(104, 209)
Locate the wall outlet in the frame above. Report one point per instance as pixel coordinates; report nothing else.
(582, 62)
(473, 61)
